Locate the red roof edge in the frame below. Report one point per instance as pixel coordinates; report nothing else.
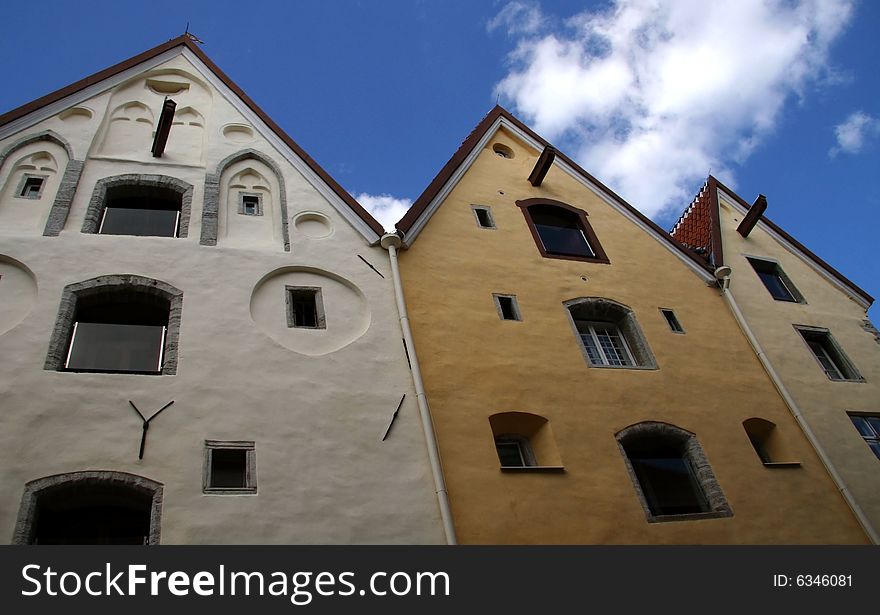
(421, 203)
(831, 270)
(187, 42)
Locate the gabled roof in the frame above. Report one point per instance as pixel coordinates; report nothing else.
(700, 227)
(186, 42)
(423, 206)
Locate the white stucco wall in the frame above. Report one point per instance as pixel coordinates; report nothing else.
(315, 409)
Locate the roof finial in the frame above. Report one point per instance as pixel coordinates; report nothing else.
(192, 36)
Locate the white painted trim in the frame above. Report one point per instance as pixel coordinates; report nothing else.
(44, 113)
(56, 107)
(422, 220)
(729, 200)
(267, 133)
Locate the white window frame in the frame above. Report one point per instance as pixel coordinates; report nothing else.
(591, 331)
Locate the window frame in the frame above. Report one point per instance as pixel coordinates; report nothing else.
(488, 211)
(524, 447)
(591, 325)
(842, 364)
(873, 441)
(610, 313)
(514, 304)
(758, 263)
(242, 209)
(672, 320)
(700, 471)
(250, 470)
(22, 184)
(592, 240)
(320, 315)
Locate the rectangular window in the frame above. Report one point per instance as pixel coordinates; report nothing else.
(672, 320)
(250, 204)
(31, 187)
(113, 347)
(141, 217)
(510, 453)
(777, 283)
(484, 216)
(305, 307)
(230, 467)
(507, 307)
(830, 356)
(604, 344)
(868, 427)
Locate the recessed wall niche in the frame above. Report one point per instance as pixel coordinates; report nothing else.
(76, 115)
(346, 312)
(238, 133)
(312, 225)
(18, 292)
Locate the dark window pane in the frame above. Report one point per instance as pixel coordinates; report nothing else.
(667, 480)
(305, 310)
(875, 446)
(508, 312)
(229, 468)
(560, 231)
(510, 454)
(32, 186)
(874, 422)
(776, 286)
(116, 347)
(139, 221)
(672, 319)
(863, 426)
(483, 218)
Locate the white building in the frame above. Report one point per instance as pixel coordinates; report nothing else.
(223, 271)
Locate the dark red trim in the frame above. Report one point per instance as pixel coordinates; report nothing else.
(445, 174)
(187, 42)
(545, 161)
(831, 270)
(717, 250)
(751, 219)
(592, 239)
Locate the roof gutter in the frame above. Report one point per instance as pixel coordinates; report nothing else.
(723, 275)
(392, 241)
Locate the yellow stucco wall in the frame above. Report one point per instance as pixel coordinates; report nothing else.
(475, 365)
(824, 402)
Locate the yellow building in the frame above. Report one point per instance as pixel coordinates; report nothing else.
(586, 380)
(810, 327)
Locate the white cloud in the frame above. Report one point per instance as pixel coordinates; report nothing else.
(853, 132)
(648, 95)
(518, 17)
(384, 207)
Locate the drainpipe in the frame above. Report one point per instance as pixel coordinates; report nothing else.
(723, 275)
(392, 241)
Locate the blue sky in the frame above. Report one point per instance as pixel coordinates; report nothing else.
(774, 97)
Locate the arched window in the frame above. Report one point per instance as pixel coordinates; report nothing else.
(524, 440)
(562, 231)
(143, 205)
(670, 472)
(88, 508)
(117, 324)
(609, 334)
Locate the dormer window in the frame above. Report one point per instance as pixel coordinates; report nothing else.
(562, 231)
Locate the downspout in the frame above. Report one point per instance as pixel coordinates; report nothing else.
(724, 280)
(392, 241)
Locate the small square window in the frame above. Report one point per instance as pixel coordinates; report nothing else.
(484, 216)
(250, 204)
(777, 283)
(507, 307)
(868, 427)
(230, 467)
(31, 187)
(830, 356)
(305, 307)
(672, 320)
